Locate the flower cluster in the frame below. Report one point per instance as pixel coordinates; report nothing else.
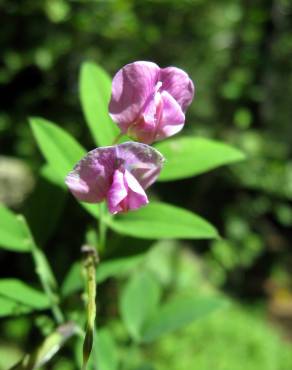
(148, 104)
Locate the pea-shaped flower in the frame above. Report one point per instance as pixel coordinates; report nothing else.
(149, 103)
(118, 174)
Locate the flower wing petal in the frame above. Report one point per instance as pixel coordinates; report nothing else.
(117, 193)
(91, 177)
(131, 88)
(178, 84)
(142, 161)
(136, 194)
(172, 119)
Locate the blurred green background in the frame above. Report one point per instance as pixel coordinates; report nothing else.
(239, 54)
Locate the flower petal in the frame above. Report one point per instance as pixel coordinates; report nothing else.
(144, 129)
(91, 177)
(117, 193)
(172, 119)
(131, 87)
(141, 160)
(94, 176)
(136, 195)
(178, 84)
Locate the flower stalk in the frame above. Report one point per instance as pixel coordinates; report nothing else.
(89, 264)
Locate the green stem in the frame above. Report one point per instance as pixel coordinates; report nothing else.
(53, 298)
(90, 262)
(102, 229)
(45, 275)
(47, 350)
(117, 138)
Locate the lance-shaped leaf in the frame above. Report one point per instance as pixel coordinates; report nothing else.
(161, 220)
(60, 150)
(190, 156)
(17, 297)
(48, 348)
(139, 302)
(178, 313)
(95, 89)
(13, 235)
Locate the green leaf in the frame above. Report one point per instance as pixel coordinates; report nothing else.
(73, 281)
(117, 267)
(59, 148)
(13, 235)
(36, 209)
(61, 151)
(48, 348)
(107, 351)
(138, 302)
(16, 297)
(95, 90)
(107, 269)
(179, 313)
(189, 156)
(161, 220)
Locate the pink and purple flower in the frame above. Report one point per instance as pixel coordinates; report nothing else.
(149, 103)
(118, 174)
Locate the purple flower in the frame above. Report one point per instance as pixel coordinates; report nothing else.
(118, 174)
(149, 103)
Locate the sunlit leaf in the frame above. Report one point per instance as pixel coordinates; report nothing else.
(95, 89)
(17, 297)
(138, 302)
(58, 147)
(73, 281)
(107, 350)
(106, 269)
(161, 220)
(189, 156)
(178, 313)
(13, 235)
(61, 151)
(117, 267)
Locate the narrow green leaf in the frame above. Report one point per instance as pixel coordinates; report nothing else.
(9, 307)
(160, 220)
(48, 348)
(95, 90)
(59, 148)
(61, 151)
(117, 267)
(73, 281)
(13, 235)
(139, 300)
(190, 156)
(107, 350)
(178, 313)
(16, 297)
(107, 269)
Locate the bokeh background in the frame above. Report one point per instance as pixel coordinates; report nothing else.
(239, 54)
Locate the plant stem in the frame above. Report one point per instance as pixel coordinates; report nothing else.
(53, 298)
(102, 229)
(117, 138)
(48, 348)
(45, 274)
(90, 262)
